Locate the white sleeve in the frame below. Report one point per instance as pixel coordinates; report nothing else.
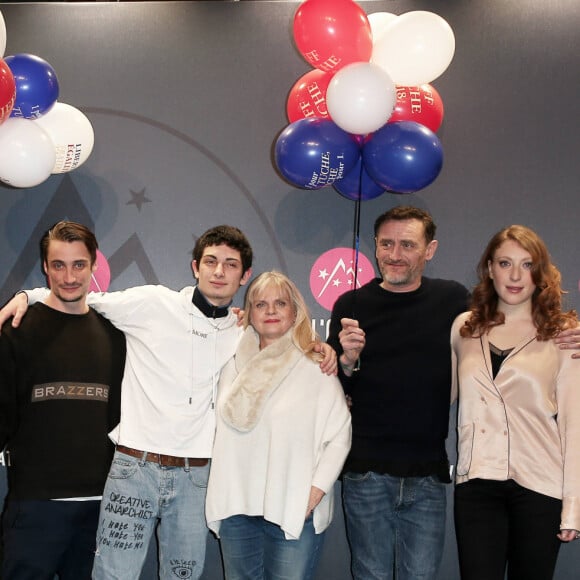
(119, 307)
(115, 306)
(337, 440)
(37, 295)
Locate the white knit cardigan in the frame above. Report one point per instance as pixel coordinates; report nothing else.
(282, 427)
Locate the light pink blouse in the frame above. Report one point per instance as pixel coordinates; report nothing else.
(524, 424)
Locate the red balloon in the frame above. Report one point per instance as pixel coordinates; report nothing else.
(7, 91)
(421, 104)
(307, 98)
(332, 33)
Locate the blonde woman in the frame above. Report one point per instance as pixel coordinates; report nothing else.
(283, 433)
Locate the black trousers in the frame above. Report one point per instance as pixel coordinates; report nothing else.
(45, 538)
(501, 524)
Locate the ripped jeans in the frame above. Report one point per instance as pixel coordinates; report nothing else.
(141, 497)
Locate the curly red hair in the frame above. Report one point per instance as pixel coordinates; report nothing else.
(547, 314)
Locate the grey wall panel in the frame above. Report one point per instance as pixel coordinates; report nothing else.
(187, 98)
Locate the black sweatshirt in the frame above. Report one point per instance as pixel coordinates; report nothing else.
(401, 394)
(60, 395)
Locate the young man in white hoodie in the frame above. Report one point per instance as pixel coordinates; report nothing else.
(177, 344)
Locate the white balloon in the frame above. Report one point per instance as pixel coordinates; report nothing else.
(27, 153)
(415, 48)
(72, 135)
(2, 35)
(378, 22)
(360, 98)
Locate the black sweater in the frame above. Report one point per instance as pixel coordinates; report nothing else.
(401, 394)
(60, 394)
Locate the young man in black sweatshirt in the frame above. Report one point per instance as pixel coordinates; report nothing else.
(60, 393)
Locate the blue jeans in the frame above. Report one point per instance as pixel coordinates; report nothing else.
(395, 525)
(142, 497)
(43, 538)
(256, 549)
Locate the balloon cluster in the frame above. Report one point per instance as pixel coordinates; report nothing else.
(364, 119)
(38, 135)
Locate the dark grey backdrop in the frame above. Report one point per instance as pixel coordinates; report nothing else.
(187, 98)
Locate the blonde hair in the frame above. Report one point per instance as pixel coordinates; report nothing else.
(302, 334)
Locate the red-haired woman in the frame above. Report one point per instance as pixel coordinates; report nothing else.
(518, 472)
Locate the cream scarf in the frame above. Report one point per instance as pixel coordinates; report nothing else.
(260, 373)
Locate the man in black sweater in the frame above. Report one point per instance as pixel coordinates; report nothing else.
(393, 339)
(60, 393)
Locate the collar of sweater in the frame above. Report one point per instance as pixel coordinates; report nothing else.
(209, 310)
(260, 373)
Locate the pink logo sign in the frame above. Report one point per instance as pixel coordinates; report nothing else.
(101, 276)
(333, 274)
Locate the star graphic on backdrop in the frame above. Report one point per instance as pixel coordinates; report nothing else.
(322, 274)
(138, 198)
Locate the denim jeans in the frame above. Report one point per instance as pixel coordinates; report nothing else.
(256, 549)
(395, 525)
(43, 538)
(141, 497)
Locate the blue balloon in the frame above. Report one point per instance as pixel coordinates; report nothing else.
(36, 85)
(312, 153)
(403, 157)
(357, 184)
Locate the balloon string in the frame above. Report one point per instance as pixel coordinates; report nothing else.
(356, 242)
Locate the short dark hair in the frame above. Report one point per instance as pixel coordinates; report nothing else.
(228, 235)
(408, 212)
(65, 231)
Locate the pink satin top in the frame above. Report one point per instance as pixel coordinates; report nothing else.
(524, 424)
